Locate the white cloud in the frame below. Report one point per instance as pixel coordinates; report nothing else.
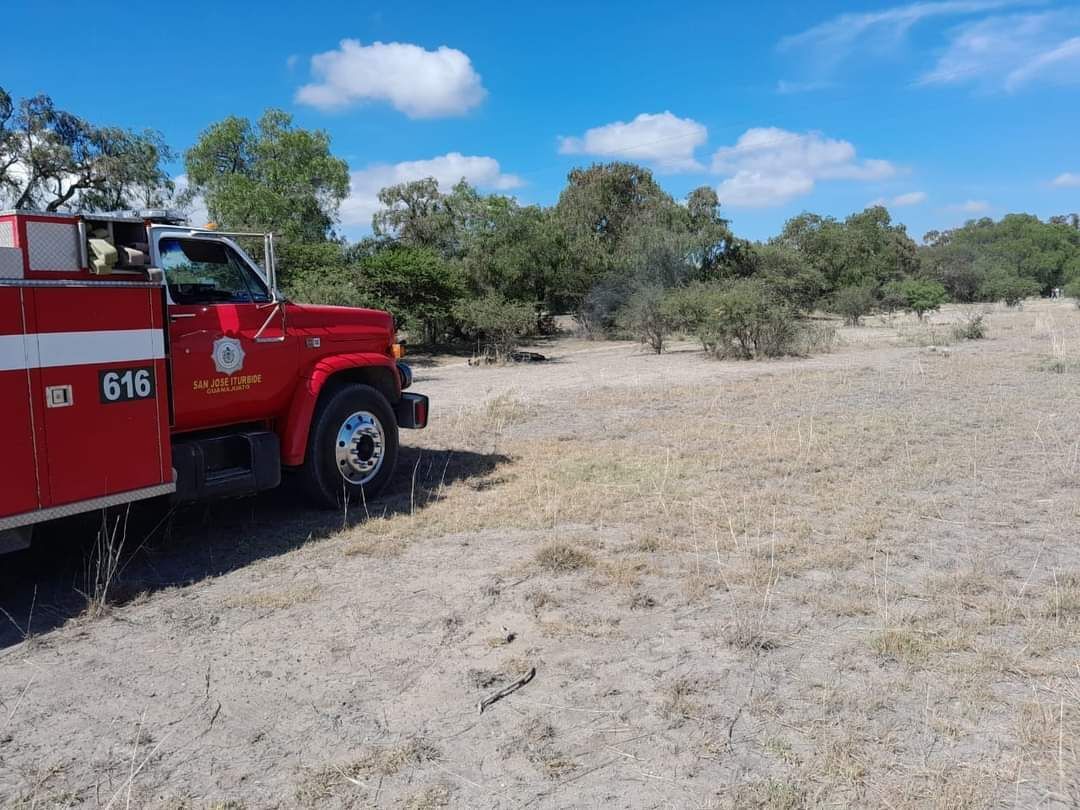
(1058, 63)
(770, 166)
(447, 169)
(1010, 51)
(910, 198)
(900, 200)
(195, 211)
(970, 207)
(417, 82)
(834, 39)
(1067, 180)
(662, 138)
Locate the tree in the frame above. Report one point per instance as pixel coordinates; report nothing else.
(51, 159)
(605, 212)
(268, 176)
(521, 253)
(984, 260)
(788, 275)
(999, 283)
(715, 251)
(417, 285)
(920, 295)
(853, 303)
(415, 214)
(865, 250)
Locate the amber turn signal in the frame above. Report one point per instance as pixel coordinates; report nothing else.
(397, 350)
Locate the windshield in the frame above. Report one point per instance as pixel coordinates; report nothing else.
(205, 271)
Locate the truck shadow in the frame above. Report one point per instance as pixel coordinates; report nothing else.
(166, 547)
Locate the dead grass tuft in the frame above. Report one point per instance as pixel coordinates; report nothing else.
(678, 703)
(430, 798)
(273, 600)
(379, 761)
(561, 557)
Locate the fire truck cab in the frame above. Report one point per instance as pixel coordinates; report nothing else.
(141, 357)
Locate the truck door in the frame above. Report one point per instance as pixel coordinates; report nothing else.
(233, 359)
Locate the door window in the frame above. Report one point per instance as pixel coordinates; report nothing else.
(203, 271)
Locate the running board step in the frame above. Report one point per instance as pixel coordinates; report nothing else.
(227, 465)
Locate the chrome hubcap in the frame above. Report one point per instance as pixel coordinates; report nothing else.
(360, 448)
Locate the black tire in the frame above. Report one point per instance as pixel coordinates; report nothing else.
(332, 482)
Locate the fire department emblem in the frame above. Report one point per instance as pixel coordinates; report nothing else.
(228, 355)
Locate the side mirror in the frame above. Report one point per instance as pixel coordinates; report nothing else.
(271, 265)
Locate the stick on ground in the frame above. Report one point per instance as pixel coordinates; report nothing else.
(509, 690)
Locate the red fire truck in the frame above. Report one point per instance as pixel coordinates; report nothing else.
(140, 357)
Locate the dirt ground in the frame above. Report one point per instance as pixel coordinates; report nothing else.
(851, 580)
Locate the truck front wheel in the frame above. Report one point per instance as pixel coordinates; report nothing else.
(352, 447)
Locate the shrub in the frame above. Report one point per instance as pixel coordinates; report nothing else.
(788, 276)
(746, 321)
(853, 303)
(921, 295)
(648, 316)
(497, 323)
(972, 327)
(1005, 285)
(690, 309)
(1072, 290)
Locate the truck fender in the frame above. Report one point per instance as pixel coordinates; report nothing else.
(371, 368)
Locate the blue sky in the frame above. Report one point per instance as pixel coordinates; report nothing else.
(944, 110)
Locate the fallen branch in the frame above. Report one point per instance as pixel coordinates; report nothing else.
(509, 690)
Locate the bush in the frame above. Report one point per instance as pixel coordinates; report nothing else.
(853, 303)
(972, 327)
(788, 276)
(920, 295)
(1072, 290)
(648, 316)
(495, 322)
(1005, 285)
(745, 321)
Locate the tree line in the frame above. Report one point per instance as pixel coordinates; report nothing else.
(615, 250)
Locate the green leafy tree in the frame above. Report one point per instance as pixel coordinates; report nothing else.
(787, 275)
(1000, 283)
(417, 285)
(865, 250)
(416, 214)
(984, 259)
(599, 211)
(521, 253)
(921, 295)
(853, 303)
(52, 160)
(1072, 290)
(269, 175)
(714, 250)
(496, 323)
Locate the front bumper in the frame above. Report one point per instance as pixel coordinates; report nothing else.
(412, 411)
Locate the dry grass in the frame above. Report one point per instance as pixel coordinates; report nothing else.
(352, 777)
(849, 581)
(561, 557)
(273, 600)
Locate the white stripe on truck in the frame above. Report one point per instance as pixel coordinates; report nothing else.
(53, 349)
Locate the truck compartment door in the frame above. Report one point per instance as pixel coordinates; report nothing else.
(102, 389)
(18, 468)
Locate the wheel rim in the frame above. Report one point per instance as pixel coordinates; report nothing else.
(360, 447)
